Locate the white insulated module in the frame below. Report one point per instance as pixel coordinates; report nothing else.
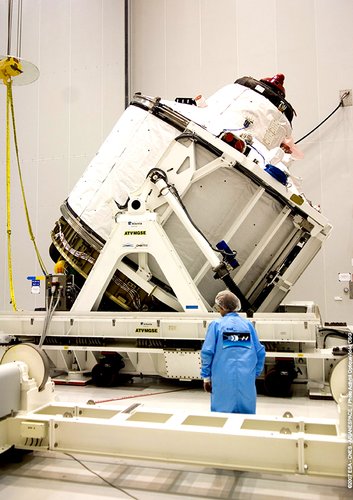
(216, 180)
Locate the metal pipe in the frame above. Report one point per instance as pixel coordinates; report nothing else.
(9, 26)
(193, 232)
(127, 51)
(19, 28)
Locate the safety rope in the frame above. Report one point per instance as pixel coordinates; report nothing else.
(8, 198)
(10, 67)
(29, 225)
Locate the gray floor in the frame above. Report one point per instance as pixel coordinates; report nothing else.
(53, 476)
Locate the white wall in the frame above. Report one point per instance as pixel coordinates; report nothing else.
(187, 47)
(62, 118)
(180, 48)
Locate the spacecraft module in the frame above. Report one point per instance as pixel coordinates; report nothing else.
(226, 162)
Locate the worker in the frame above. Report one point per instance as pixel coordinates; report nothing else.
(231, 358)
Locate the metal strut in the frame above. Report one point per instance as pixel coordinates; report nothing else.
(220, 268)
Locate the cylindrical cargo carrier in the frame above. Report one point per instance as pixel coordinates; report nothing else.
(228, 188)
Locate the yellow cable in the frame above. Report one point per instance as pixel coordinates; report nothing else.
(31, 234)
(5, 75)
(8, 197)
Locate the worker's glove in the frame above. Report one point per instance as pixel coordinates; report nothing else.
(207, 386)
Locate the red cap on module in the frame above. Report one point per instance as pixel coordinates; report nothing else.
(276, 82)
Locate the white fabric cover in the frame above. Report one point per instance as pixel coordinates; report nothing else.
(139, 139)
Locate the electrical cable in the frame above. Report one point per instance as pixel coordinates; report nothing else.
(172, 189)
(174, 192)
(234, 129)
(100, 477)
(333, 333)
(333, 330)
(48, 305)
(327, 117)
(138, 396)
(258, 152)
(45, 325)
(50, 311)
(226, 278)
(246, 124)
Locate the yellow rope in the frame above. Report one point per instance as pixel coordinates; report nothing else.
(8, 198)
(8, 68)
(29, 225)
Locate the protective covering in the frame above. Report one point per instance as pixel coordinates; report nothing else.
(139, 140)
(134, 146)
(232, 357)
(228, 194)
(231, 106)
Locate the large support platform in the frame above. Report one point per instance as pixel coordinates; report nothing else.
(31, 420)
(286, 445)
(168, 344)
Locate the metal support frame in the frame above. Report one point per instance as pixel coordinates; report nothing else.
(34, 421)
(262, 244)
(146, 341)
(133, 234)
(185, 221)
(244, 442)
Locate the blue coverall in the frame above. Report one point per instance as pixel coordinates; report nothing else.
(232, 357)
